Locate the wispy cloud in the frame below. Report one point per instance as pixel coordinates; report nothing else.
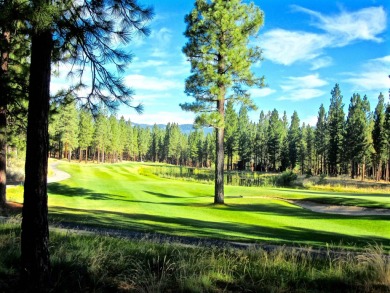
(287, 47)
(346, 27)
(150, 83)
(321, 63)
(373, 76)
(302, 88)
(260, 93)
(310, 120)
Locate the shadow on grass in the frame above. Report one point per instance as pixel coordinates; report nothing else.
(262, 208)
(65, 190)
(208, 229)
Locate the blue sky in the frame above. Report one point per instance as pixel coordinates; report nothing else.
(308, 46)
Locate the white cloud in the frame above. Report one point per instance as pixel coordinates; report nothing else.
(141, 82)
(346, 27)
(310, 120)
(159, 53)
(321, 63)
(287, 47)
(148, 63)
(302, 88)
(373, 76)
(163, 35)
(260, 93)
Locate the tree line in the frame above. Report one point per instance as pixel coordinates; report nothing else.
(355, 143)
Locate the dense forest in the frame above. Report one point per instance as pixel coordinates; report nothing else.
(355, 143)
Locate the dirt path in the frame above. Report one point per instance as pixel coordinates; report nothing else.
(58, 174)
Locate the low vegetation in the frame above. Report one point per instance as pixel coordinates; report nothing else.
(91, 263)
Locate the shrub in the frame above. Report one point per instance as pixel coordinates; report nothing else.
(286, 178)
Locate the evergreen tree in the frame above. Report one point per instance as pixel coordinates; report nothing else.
(310, 146)
(69, 127)
(85, 34)
(275, 138)
(336, 130)
(113, 147)
(302, 148)
(122, 137)
(244, 139)
(378, 135)
(356, 133)
(14, 62)
(156, 137)
(293, 138)
(321, 141)
(143, 141)
(218, 33)
(86, 128)
(387, 140)
(261, 141)
(231, 138)
(101, 136)
(193, 147)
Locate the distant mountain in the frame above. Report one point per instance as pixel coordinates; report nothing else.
(184, 128)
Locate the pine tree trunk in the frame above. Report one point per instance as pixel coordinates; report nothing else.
(3, 156)
(219, 188)
(35, 261)
(3, 119)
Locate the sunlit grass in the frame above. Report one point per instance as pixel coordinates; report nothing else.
(118, 196)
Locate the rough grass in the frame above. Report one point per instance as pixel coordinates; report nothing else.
(88, 263)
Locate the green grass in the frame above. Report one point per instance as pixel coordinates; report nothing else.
(118, 196)
(85, 263)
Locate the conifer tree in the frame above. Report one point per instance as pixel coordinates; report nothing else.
(293, 138)
(14, 62)
(387, 139)
(310, 142)
(261, 141)
(321, 141)
(218, 33)
(84, 33)
(356, 133)
(378, 135)
(244, 136)
(275, 138)
(336, 130)
(85, 133)
(231, 137)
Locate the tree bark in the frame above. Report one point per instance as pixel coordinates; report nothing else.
(35, 261)
(3, 116)
(219, 197)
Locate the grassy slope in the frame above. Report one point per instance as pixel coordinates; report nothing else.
(117, 196)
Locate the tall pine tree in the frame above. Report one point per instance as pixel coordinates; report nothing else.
(336, 130)
(218, 33)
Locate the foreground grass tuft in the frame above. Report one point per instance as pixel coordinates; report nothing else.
(90, 263)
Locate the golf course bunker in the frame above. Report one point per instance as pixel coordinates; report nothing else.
(340, 209)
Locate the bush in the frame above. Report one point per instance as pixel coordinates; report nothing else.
(286, 178)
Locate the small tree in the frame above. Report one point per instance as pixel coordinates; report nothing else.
(218, 33)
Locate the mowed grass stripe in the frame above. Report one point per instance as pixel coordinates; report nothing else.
(117, 196)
